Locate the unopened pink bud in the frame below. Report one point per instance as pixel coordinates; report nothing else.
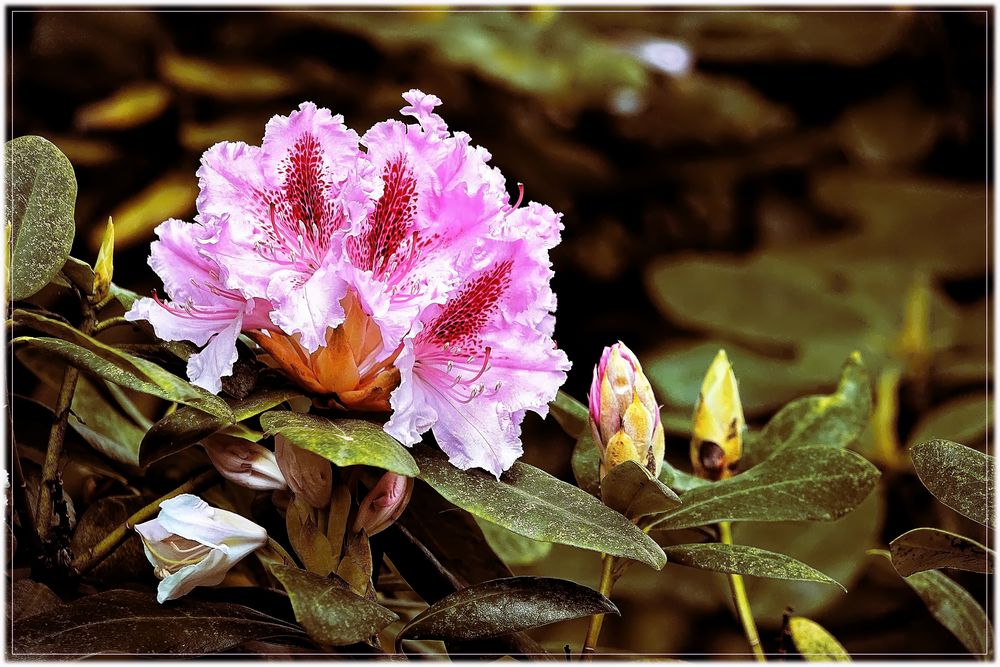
(384, 503)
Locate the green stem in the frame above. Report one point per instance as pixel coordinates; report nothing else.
(104, 303)
(53, 451)
(102, 549)
(741, 600)
(109, 323)
(594, 631)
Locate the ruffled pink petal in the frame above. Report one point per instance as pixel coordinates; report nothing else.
(308, 308)
(182, 259)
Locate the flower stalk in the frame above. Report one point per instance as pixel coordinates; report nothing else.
(594, 630)
(741, 600)
(101, 550)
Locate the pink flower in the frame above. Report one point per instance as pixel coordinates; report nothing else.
(398, 277)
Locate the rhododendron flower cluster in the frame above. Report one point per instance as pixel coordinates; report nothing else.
(387, 272)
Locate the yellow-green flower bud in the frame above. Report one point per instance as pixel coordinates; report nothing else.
(104, 266)
(717, 436)
(624, 416)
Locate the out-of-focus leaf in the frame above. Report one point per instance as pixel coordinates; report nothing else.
(631, 489)
(513, 549)
(344, 442)
(187, 426)
(802, 483)
(836, 548)
(41, 197)
(724, 296)
(330, 613)
(923, 549)
(953, 607)
(532, 503)
(128, 623)
(171, 196)
(503, 606)
(964, 419)
(959, 476)
(894, 130)
(834, 420)
(223, 81)
(196, 137)
(814, 643)
(571, 414)
(766, 382)
(700, 107)
(85, 152)
(93, 356)
(740, 559)
(900, 220)
(129, 106)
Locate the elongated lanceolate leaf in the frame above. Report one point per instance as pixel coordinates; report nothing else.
(953, 608)
(924, 549)
(532, 503)
(959, 476)
(800, 484)
(834, 420)
(632, 490)
(344, 442)
(504, 606)
(571, 414)
(740, 559)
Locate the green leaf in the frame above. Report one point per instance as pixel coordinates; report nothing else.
(803, 483)
(344, 442)
(740, 559)
(834, 420)
(41, 197)
(631, 489)
(187, 426)
(586, 464)
(127, 622)
(959, 476)
(571, 414)
(924, 549)
(121, 368)
(680, 481)
(953, 608)
(125, 297)
(511, 548)
(723, 296)
(503, 606)
(964, 419)
(532, 503)
(328, 610)
(80, 274)
(814, 643)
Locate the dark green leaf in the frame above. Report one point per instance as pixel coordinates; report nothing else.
(953, 608)
(511, 548)
(959, 476)
(80, 274)
(28, 598)
(125, 297)
(345, 442)
(814, 643)
(504, 606)
(127, 562)
(586, 463)
(834, 420)
(678, 480)
(330, 612)
(631, 489)
(803, 483)
(739, 559)
(532, 503)
(129, 623)
(41, 197)
(571, 414)
(121, 368)
(187, 426)
(924, 549)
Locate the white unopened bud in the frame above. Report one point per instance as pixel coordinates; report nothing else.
(245, 463)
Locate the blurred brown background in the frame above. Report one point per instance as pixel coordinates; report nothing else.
(789, 184)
